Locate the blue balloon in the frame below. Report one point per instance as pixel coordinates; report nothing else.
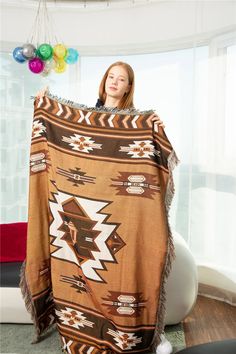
(18, 56)
(71, 56)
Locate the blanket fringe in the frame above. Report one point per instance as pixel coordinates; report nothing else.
(29, 304)
(160, 324)
(28, 300)
(73, 104)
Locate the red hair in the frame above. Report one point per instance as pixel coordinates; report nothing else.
(127, 100)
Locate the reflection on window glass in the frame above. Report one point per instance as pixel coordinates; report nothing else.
(17, 85)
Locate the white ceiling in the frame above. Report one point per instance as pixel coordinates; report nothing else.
(82, 3)
(132, 27)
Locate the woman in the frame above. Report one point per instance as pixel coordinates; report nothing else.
(116, 90)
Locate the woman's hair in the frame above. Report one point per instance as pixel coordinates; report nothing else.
(127, 100)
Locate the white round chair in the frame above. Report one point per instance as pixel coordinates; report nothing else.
(182, 283)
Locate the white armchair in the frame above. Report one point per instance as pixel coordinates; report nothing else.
(182, 283)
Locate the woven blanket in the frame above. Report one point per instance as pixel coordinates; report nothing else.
(99, 242)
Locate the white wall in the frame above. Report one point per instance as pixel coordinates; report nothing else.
(153, 26)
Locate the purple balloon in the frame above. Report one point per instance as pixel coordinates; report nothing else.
(36, 65)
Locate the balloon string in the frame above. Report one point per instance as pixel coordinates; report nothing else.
(44, 21)
(38, 23)
(53, 26)
(49, 28)
(47, 22)
(43, 27)
(34, 27)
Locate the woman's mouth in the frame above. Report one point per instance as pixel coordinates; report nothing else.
(113, 88)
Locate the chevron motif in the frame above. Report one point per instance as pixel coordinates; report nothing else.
(69, 346)
(95, 117)
(61, 111)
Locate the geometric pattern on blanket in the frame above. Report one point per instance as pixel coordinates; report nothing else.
(99, 242)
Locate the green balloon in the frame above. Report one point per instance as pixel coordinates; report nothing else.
(45, 51)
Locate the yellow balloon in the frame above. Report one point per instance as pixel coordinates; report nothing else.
(60, 66)
(60, 51)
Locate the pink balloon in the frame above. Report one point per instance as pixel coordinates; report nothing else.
(36, 65)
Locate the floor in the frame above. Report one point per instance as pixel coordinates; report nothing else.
(210, 320)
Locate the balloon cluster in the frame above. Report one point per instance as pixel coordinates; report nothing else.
(45, 58)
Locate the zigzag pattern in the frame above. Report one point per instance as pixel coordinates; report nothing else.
(95, 117)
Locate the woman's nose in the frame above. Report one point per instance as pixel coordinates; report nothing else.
(114, 81)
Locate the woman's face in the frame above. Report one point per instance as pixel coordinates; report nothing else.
(117, 82)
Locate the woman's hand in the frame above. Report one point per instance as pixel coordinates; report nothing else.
(156, 118)
(42, 92)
